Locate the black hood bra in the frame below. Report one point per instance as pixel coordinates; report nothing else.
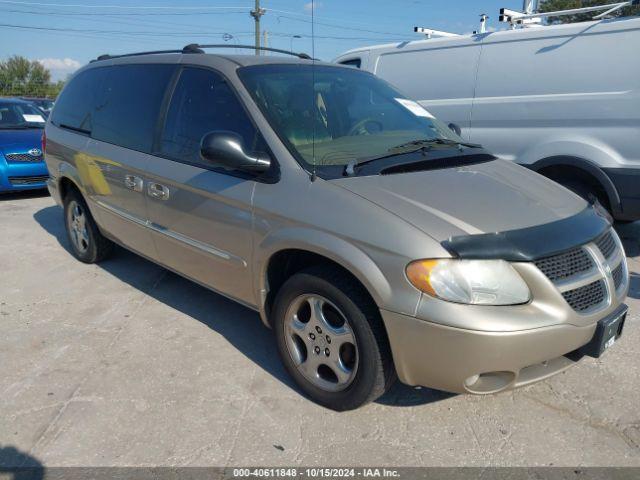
(533, 243)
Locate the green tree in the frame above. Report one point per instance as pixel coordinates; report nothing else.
(555, 5)
(22, 77)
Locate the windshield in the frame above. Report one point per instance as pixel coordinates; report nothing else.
(20, 115)
(348, 116)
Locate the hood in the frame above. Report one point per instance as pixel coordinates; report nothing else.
(489, 197)
(20, 141)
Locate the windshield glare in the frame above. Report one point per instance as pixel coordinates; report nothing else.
(20, 115)
(333, 116)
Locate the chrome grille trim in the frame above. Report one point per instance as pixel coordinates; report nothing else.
(589, 287)
(617, 275)
(606, 244)
(579, 281)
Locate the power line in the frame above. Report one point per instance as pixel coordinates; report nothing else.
(303, 17)
(182, 34)
(119, 20)
(128, 14)
(117, 32)
(126, 7)
(333, 25)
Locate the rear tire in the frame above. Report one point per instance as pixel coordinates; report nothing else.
(87, 243)
(339, 356)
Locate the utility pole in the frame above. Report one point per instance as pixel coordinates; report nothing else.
(530, 6)
(265, 41)
(256, 14)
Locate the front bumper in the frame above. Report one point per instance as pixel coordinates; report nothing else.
(443, 357)
(22, 176)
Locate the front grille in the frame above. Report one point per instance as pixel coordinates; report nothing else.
(569, 271)
(606, 244)
(618, 275)
(22, 157)
(28, 180)
(584, 298)
(566, 264)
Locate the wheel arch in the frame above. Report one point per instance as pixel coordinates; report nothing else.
(286, 252)
(68, 178)
(584, 171)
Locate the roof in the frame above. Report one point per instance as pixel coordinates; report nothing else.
(220, 61)
(197, 49)
(570, 29)
(14, 100)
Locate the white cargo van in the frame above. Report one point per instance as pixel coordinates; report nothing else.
(563, 100)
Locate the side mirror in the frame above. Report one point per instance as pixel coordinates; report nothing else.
(455, 128)
(226, 148)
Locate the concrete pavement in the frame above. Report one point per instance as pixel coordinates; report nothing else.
(126, 364)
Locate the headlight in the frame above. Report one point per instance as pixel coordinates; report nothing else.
(475, 282)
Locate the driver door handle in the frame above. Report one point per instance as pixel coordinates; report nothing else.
(158, 191)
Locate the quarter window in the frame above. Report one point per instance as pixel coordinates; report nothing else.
(75, 105)
(201, 103)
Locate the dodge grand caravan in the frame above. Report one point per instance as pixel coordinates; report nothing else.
(372, 239)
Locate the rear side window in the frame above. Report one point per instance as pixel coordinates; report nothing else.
(203, 102)
(75, 105)
(129, 104)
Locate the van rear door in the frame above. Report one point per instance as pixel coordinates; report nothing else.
(118, 151)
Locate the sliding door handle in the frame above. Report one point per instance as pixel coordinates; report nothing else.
(133, 183)
(158, 191)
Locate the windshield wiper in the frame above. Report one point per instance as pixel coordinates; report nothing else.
(416, 145)
(409, 147)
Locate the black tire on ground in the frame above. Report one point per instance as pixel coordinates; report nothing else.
(96, 247)
(375, 372)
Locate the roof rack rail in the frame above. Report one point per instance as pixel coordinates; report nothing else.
(195, 48)
(430, 33)
(253, 47)
(186, 49)
(530, 17)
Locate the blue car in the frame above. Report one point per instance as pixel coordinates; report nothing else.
(22, 164)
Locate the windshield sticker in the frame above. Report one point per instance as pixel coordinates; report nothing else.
(414, 107)
(33, 118)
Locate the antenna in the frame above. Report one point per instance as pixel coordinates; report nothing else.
(313, 86)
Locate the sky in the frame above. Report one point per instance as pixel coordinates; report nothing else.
(66, 34)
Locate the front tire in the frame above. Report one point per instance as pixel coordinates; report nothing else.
(87, 243)
(331, 339)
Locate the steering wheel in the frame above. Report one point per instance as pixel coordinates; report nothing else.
(360, 128)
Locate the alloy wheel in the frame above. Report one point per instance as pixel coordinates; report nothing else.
(77, 225)
(321, 342)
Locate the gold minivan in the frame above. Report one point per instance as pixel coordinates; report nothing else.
(373, 239)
